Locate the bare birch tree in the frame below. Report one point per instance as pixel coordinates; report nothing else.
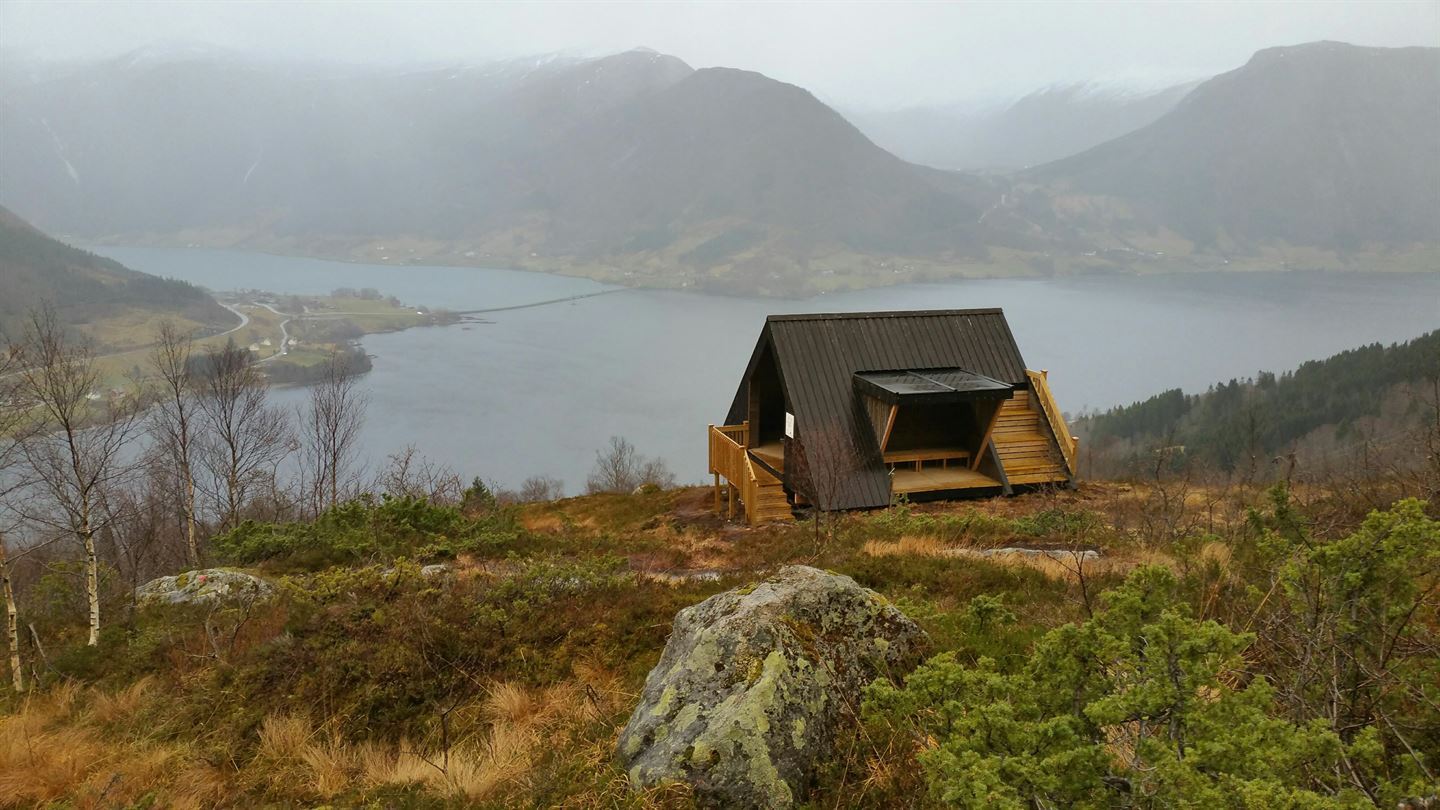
(77, 450)
(12, 424)
(245, 437)
(619, 468)
(330, 425)
(175, 424)
(411, 475)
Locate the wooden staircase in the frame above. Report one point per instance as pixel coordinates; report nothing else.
(1025, 444)
(766, 502)
(760, 491)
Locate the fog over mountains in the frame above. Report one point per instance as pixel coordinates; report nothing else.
(635, 167)
(1325, 144)
(1048, 124)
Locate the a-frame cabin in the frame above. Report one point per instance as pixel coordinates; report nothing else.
(848, 411)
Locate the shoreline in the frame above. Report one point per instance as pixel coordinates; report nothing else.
(1248, 267)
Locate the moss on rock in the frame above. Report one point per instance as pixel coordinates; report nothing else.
(753, 684)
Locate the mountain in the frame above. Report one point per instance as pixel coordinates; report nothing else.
(1043, 126)
(635, 168)
(632, 161)
(99, 295)
(728, 165)
(1327, 145)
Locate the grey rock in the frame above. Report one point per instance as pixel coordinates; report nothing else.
(206, 586)
(434, 570)
(1062, 554)
(755, 683)
(1084, 555)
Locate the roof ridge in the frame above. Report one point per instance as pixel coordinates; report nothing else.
(894, 313)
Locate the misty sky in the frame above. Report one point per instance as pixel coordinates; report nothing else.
(853, 54)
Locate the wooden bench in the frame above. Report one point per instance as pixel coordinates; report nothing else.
(918, 457)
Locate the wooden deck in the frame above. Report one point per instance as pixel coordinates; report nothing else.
(772, 454)
(937, 479)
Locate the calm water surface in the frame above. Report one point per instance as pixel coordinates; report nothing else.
(540, 390)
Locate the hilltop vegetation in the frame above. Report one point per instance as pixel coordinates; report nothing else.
(504, 677)
(1373, 397)
(1193, 640)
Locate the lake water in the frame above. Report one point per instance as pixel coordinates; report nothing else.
(539, 390)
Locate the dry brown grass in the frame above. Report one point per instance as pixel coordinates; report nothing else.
(402, 765)
(283, 737)
(909, 546)
(120, 705)
(499, 741)
(331, 765)
(52, 750)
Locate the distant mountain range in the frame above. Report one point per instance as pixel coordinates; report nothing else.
(1325, 145)
(86, 290)
(1046, 125)
(636, 168)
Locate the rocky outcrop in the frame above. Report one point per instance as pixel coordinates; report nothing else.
(754, 684)
(207, 586)
(1062, 554)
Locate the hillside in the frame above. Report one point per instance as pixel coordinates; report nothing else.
(502, 673)
(730, 173)
(1326, 145)
(1043, 126)
(107, 300)
(1374, 396)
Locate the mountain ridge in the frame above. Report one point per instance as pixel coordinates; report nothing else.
(1230, 165)
(636, 168)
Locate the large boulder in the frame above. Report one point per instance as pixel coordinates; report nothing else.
(755, 683)
(206, 586)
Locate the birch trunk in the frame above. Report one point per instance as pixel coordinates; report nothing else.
(12, 622)
(92, 581)
(190, 539)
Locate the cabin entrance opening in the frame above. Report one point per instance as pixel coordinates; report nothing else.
(767, 414)
(933, 426)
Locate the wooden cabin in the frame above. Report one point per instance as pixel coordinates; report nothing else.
(849, 411)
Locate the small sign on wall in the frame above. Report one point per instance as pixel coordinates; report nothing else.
(789, 425)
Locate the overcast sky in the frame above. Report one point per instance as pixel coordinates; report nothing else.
(854, 54)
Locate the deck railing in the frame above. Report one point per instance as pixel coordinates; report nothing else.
(730, 459)
(1040, 389)
(727, 450)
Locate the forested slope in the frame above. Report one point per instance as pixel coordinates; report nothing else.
(1271, 413)
(86, 289)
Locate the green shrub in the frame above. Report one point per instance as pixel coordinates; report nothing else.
(368, 529)
(1140, 706)
(1056, 523)
(901, 519)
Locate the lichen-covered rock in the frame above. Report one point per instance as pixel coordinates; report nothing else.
(207, 586)
(755, 682)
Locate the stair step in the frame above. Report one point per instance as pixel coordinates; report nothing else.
(1021, 438)
(1031, 465)
(1037, 478)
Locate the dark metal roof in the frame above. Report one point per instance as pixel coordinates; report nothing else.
(930, 385)
(818, 356)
